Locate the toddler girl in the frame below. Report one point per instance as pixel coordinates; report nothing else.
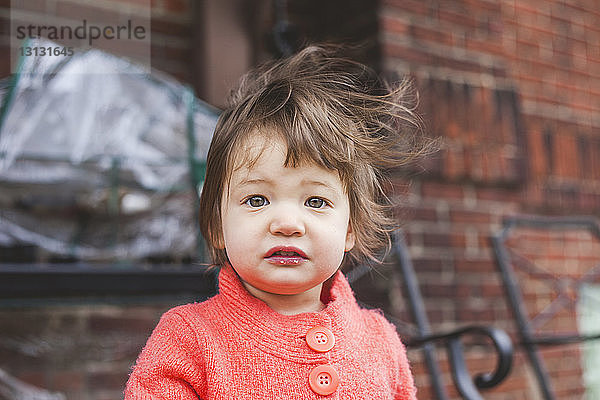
(293, 189)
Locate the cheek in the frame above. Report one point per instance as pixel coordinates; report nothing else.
(328, 258)
(332, 240)
(230, 234)
(239, 237)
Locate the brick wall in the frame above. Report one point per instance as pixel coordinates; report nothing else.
(514, 89)
(543, 258)
(83, 351)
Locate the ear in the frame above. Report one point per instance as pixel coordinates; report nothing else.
(350, 238)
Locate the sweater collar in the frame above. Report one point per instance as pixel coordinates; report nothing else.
(284, 335)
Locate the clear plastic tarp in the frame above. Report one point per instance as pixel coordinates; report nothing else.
(99, 159)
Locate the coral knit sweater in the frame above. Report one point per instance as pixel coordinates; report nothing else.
(233, 346)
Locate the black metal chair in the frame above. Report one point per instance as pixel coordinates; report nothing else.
(467, 386)
(565, 286)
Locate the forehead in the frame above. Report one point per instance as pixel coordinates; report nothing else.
(258, 143)
(267, 157)
(250, 149)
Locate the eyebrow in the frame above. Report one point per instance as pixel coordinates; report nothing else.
(317, 183)
(255, 181)
(314, 182)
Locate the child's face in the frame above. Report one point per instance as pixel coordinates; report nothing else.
(285, 229)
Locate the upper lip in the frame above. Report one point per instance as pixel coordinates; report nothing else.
(275, 249)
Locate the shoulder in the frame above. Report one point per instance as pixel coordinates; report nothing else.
(190, 310)
(378, 324)
(195, 314)
(181, 330)
(189, 321)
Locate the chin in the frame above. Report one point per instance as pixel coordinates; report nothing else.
(287, 289)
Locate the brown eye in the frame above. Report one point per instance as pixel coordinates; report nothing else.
(315, 202)
(257, 201)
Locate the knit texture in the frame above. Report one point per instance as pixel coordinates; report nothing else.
(234, 346)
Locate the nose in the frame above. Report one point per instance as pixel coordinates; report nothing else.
(286, 221)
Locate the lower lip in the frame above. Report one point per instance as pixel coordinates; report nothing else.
(285, 260)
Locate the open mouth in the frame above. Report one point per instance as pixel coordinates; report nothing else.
(285, 256)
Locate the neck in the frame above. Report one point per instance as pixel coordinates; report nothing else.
(290, 304)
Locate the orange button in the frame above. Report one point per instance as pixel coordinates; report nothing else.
(323, 380)
(320, 339)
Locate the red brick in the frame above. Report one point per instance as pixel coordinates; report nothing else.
(79, 12)
(177, 6)
(458, 240)
(436, 240)
(68, 381)
(566, 155)
(395, 25)
(505, 195)
(430, 34)
(441, 190)
(6, 64)
(492, 289)
(463, 19)
(171, 28)
(481, 316)
(422, 213)
(407, 54)
(31, 6)
(466, 265)
(428, 265)
(432, 290)
(470, 217)
(537, 159)
(485, 46)
(454, 164)
(412, 6)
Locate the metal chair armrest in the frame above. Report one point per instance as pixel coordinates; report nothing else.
(558, 340)
(467, 386)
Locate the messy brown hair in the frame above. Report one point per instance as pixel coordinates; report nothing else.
(328, 110)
